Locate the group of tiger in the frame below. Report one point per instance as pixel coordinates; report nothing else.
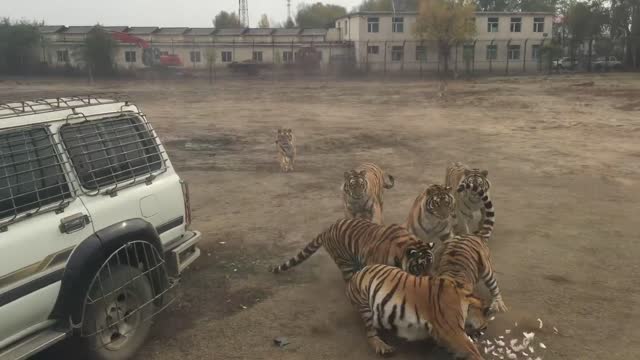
(418, 279)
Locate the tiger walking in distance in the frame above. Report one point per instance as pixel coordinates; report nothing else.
(286, 145)
(416, 308)
(355, 243)
(468, 205)
(432, 215)
(362, 192)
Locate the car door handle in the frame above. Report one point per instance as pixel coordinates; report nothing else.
(73, 223)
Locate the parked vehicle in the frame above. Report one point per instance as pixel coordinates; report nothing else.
(94, 226)
(606, 63)
(564, 63)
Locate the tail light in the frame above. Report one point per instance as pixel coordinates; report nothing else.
(187, 202)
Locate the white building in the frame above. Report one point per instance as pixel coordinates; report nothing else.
(386, 41)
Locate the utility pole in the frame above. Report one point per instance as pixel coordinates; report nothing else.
(243, 12)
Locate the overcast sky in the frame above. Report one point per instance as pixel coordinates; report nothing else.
(189, 13)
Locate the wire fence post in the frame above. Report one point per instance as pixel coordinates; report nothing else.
(455, 65)
(524, 56)
(508, 52)
(385, 59)
(402, 58)
(422, 56)
(366, 58)
(490, 56)
(539, 65)
(473, 58)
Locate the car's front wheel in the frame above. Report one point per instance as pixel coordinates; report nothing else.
(117, 315)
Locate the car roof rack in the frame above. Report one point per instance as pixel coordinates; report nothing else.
(29, 107)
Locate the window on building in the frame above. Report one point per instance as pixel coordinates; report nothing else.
(492, 52)
(397, 24)
(535, 52)
(373, 24)
(538, 24)
(396, 53)
(492, 24)
(130, 56)
(516, 24)
(164, 53)
(468, 52)
(373, 49)
(287, 57)
(227, 56)
(195, 56)
(63, 56)
(421, 53)
(514, 52)
(257, 56)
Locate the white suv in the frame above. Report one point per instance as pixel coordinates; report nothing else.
(94, 226)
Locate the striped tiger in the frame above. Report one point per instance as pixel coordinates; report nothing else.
(286, 145)
(355, 243)
(466, 258)
(416, 308)
(362, 192)
(432, 215)
(467, 204)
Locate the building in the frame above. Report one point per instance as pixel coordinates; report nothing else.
(386, 41)
(373, 41)
(197, 48)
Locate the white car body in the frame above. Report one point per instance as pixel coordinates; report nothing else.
(37, 246)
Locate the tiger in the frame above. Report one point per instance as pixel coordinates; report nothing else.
(286, 145)
(355, 243)
(416, 308)
(466, 204)
(465, 259)
(362, 192)
(432, 215)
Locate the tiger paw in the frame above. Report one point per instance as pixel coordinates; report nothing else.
(380, 347)
(499, 305)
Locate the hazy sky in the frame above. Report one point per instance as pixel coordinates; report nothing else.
(189, 13)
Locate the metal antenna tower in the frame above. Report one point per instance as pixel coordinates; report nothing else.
(288, 9)
(243, 12)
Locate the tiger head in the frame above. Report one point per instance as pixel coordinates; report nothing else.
(478, 178)
(439, 201)
(355, 183)
(284, 136)
(479, 314)
(416, 257)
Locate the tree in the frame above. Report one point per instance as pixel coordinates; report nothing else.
(318, 15)
(225, 20)
(388, 5)
(98, 51)
(264, 22)
(447, 22)
(625, 26)
(586, 22)
(289, 24)
(18, 46)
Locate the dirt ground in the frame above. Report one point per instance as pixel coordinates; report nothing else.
(563, 156)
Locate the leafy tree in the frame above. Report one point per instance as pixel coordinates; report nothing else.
(537, 5)
(225, 20)
(264, 22)
(318, 15)
(493, 5)
(18, 46)
(98, 51)
(289, 24)
(625, 25)
(388, 5)
(586, 22)
(447, 22)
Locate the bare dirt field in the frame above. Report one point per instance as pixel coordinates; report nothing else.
(563, 156)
